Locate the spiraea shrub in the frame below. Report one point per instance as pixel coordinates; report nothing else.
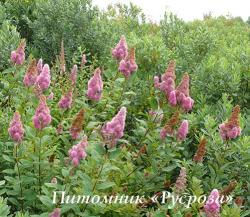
(113, 133)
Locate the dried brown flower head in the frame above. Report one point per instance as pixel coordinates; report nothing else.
(198, 157)
(229, 188)
(172, 122)
(234, 119)
(77, 125)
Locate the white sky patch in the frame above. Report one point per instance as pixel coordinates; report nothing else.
(186, 9)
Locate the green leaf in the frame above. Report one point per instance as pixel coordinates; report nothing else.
(105, 185)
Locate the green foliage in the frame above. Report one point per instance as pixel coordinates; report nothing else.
(9, 39)
(214, 51)
(4, 208)
(209, 50)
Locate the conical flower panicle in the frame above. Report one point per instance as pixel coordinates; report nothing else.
(231, 129)
(182, 94)
(43, 79)
(42, 117)
(73, 75)
(31, 74)
(198, 157)
(112, 131)
(183, 130)
(128, 65)
(212, 206)
(16, 130)
(39, 65)
(170, 71)
(77, 125)
(167, 84)
(180, 184)
(78, 152)
(18, 56)
(121, 49)
(95, 86)
(168, 129)
(183, 87)
(66, 100)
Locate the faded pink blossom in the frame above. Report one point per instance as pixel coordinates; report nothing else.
(31, 74)
(183, 130)
(66, 100)
(73, 75)
(43, 79)
(163, 133)
(18, 56)
(157, 116)
(16, 130)
(157, 82)
(112, 131)
(180, 184)
(39, 65)
(231, 128)
(121, 49)
(50, 96)
(56, 213)
(95, 86)
(77, 152)
(128, 65)
(59, 129)
(42, 116)
(212, 206)
(84, 60)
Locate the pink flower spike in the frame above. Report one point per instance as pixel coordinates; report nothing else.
(73, 75)
(16, 130)
(43, 79)
(66, 101)
(56, 213)
(77, 152)
(112, 131)
(212, 206)
(39, 65)
(121, 49)
(18, 56)
(31, 74)
(180, 184)
(42, 117)
(95, 86)
(183, 130)
(128, 65)
(172, 98)
(187, 103)
(231, 128)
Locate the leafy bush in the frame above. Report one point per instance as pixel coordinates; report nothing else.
(9, 39)
(209, 50)
(155, 151)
